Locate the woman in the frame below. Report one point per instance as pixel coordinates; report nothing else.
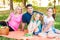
(48, 26)
(14, 19)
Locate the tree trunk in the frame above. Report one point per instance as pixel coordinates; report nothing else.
(24, 2)
(11, 4)
(3, 2)
(54, 10)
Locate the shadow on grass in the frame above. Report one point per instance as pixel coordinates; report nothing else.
(4, 38)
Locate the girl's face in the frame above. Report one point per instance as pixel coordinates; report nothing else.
(37, 17)
(49, 12)
(19, 10)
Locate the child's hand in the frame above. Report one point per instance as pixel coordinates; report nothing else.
(46, 29)
(43, 30)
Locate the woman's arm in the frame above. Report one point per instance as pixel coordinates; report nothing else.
(8, 19)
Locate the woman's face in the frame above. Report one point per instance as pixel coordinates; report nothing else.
(19, 10)
(37, 17)
(49, 12)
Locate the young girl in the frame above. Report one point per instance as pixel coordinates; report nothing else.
(35, 24)
(48, 26)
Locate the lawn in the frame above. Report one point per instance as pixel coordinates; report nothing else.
(5, 14)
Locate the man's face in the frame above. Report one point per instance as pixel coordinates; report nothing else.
(30, 9)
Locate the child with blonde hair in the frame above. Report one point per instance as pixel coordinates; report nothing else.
(35, 24)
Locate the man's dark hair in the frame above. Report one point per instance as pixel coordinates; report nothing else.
(28, 5)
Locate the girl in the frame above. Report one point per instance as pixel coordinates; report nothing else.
(48, 26)
(35, 24)
(14, 19)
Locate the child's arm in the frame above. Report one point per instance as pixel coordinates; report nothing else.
(48, 26)
(30, 26)
(36, 26)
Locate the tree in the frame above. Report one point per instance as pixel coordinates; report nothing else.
(49, 4)
(11, 4)
(17, 0)
(54, 10)
(24, 2)
(3, 2)
(58, 1)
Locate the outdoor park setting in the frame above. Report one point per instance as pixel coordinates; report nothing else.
(7, 6)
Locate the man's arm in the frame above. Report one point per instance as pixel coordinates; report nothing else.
(23, 25)
(23, 21)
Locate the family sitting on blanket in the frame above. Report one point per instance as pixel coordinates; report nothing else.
(38, 24)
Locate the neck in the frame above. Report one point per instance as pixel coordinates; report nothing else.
(30, 13)
(35, 20)
(48, 16)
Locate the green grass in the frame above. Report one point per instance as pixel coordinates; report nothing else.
(5, 14)
(57, 21)
(4, 38)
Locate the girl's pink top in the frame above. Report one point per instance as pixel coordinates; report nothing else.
(15, 21)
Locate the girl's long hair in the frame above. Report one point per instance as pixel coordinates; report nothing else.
(41, 17)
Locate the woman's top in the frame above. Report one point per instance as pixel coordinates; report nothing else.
(14, 21)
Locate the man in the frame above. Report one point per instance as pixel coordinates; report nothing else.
(27, 16)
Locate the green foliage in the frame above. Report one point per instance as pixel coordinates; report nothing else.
(17, 0)
(40, 9)
(50, 4)
(4, 14)
(58, 9)
(57, 21)
(59, 0)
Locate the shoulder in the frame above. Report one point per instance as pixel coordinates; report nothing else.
(52, 19)
(20, 15)
(32, 21)
(39, 21)
(25, 14)
(44, 17)
(12, 13)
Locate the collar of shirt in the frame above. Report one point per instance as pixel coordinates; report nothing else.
(30, 13)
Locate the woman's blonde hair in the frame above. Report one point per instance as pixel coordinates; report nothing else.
(17, 8)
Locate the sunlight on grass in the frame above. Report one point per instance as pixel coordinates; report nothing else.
(58, 23)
